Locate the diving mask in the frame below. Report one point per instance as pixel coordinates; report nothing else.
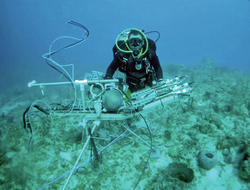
(135, 43)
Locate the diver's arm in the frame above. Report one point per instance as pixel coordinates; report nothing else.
(154, 60)
(112, 68)
(156, 64)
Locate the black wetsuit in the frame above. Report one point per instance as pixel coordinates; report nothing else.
(148, 66)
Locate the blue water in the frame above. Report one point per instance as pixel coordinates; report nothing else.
(190, 30)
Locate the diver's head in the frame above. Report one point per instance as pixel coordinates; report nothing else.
(135, 41)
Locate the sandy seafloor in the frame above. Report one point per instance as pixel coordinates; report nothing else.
(215, 118)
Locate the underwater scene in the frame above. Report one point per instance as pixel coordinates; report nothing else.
(95, 98)
(200, 142)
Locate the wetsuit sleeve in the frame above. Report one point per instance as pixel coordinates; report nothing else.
(112, 67)
(154, 60)
(156, 64)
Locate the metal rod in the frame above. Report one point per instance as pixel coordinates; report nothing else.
(97, 123)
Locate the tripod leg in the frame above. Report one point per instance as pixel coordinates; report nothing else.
(140, 138)
(96, 123)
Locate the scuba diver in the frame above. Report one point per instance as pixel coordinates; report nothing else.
(135, 55)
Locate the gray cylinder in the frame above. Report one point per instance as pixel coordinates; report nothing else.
(207, 159)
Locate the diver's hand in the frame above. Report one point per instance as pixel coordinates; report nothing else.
(160, 82)
(108, 77)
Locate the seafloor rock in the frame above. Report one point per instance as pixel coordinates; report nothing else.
(244, 165)
(180, 171)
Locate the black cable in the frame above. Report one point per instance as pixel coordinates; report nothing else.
(79, 25)
(68, 46)
(26, 121)
(93, 146)
(159, 35)
(149, 152)
(59, 71)
(27, 125)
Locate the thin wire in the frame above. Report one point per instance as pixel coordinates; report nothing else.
(48, 57)
(88, 159)
(148, 155)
